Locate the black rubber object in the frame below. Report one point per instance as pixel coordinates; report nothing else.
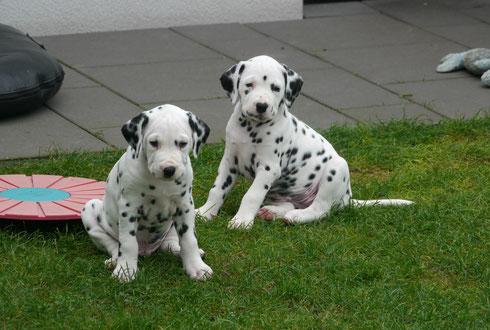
(28, 75)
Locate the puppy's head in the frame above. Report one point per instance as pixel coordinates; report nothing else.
(262, 86)
(163, 137)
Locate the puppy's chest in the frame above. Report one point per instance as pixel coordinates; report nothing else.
(257, 145)
(301, 154)
(155, 218)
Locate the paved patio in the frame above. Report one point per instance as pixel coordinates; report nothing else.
(361, 61)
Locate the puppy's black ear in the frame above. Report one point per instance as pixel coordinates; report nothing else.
(226, 80)
(133, 131)
(230, 80)
(200, 132)
(293, 83)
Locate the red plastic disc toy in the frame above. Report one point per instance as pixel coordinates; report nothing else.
(46, 197)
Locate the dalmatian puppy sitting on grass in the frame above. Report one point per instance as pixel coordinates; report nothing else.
(148, 203)
(292, 168)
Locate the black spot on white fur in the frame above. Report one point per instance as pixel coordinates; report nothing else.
(133, 129)
(183, 230)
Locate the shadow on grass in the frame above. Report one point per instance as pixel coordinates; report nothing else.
(28, 226)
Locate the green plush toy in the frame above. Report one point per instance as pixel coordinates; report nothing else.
(476, 61)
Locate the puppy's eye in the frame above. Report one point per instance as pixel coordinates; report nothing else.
(154, 144)
(249, 85)
(182, 144)
(275, 88)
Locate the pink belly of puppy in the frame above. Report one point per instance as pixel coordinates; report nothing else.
(147, 249)
(300, 199)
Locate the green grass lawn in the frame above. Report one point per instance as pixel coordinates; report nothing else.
(421, 266)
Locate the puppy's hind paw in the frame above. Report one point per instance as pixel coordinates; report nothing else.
(266, 214)
(110, 263)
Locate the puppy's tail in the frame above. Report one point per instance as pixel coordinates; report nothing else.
(375, 202)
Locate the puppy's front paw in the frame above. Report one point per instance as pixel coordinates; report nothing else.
(206, 212)
(199, 271)
(240, 223)
(124, 272)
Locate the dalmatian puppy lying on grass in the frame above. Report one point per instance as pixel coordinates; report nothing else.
(292, 167)
(148, 203)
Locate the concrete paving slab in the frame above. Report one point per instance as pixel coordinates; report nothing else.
(124, 47)
(113, 136)
(452, 98)
(217, 32)
(336, 9)
(74, 79)
(389, 112)
(357, 31)
(401, 63)
(215, 113)
(294, 58)
(166, 81)
(36, 133)
(422, 13)
(481, 13)
(455, 4)
(93, 108)
(250, 43)
(471, 36)
(458, 4)
(316, 115)
(339, 89)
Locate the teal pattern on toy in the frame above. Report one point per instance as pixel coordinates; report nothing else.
(35, 194)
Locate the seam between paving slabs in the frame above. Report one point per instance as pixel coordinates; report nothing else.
(422, 28)
(329, 107)
(423, 105)
(203, 44)
(101, 84)
(237, 60)
(186, 100)
(428, 80)
(147, 62)
(81, 127)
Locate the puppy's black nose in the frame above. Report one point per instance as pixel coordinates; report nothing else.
(261, 107)
(168, 171)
